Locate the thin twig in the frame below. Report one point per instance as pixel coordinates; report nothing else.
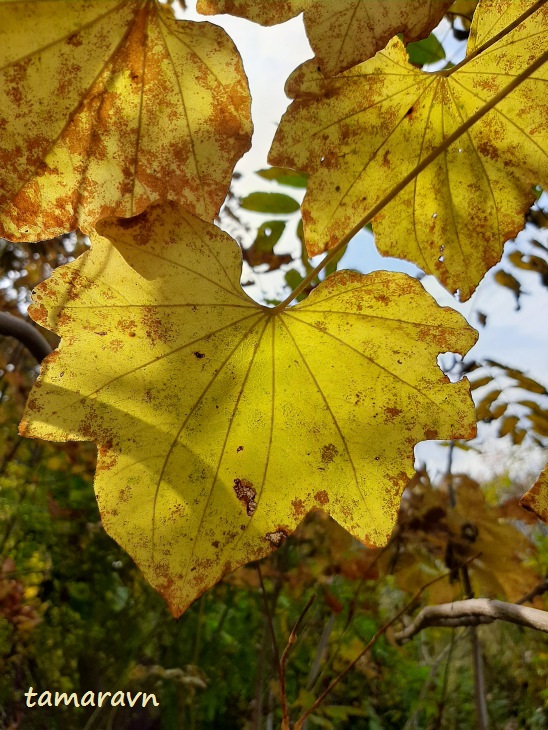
(275, 649)
(480, 695)
(283, 661)
(351, 612)
(538, 590)
(317, 702)
(269, 618)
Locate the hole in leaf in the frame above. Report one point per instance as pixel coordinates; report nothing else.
(450, 364)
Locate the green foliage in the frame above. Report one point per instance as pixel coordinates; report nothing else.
(429, 50)
(276, 203)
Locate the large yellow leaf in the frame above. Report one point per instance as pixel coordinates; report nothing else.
(345, 32)
(360, 133)
(108, 105)
(220, 423)
(536, 499)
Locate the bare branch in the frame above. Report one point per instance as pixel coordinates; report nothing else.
(473, 612)
(28, 335)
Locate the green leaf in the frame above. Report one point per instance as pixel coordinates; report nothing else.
(332, 265)
(276, 203)
(268, 235)
(293, 278)
(284, 176)
(429, 50)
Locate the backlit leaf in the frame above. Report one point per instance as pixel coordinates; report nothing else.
(536, 499)
(261, 250)
(360, 133)
(283, 176)
(341, 33)
(272, 414)
(268, 235)
(107, 106)
(429, 50)
(276, 203)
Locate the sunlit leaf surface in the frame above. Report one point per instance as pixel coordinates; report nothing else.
(106, 106)
(360, 133)
(220, 424)
(345, 32)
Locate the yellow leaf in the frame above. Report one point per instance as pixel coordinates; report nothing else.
(536, 499)
(221, 423)
(107, 106)
(499, 410)
(361, 133)
(508, 425)
(344, 33)
(540, 423)
(483, 409)
(509, 281)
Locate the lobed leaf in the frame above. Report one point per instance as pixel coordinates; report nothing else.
(109, 105)
(272, 413)
(360, 133)
(344, 33)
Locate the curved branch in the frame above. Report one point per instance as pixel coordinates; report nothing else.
(13, 326)
(472, 612)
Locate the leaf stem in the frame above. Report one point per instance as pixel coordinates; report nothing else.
(464, 127)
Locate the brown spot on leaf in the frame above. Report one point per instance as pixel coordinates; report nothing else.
(156, 329)
(246, 494)
(322, 497)
(298, 507)
(240, 448)
(199, 355)
(391, 413)
(329, 452)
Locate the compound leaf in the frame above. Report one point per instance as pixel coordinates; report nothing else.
(344, 33)
(221, 423)
(360, 133)
(106, 106)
